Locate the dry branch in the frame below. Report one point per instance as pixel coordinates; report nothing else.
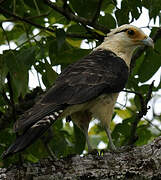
(133, 163)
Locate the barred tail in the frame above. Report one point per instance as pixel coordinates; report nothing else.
(31, 134)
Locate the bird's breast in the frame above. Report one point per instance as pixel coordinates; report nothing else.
(102, 107)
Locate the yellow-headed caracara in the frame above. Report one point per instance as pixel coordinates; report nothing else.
(86, 89)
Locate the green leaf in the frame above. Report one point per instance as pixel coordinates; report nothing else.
(31, 158)
(70, 55)
(67, 55)
(124, 114)
(150, 64)
(55, 17)
(2, 102)
(108, 20)
(3, 71)
(80, 140)
(84, 8)
(76, 28)
(18, 71)
(121, 132)
(60, 37)
(35, 152)
(2, 18)
(122, 15)
(49, 75)
(133, 83)
(144, 135)
(153, 6)
(109, 9)
(74, 42)
(60, 143)
(26, 56)
(138, 64)
(36, 6)
(137, 102)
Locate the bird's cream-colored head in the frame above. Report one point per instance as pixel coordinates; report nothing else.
(124, 40)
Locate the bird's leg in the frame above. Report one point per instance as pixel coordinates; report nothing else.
(82, 119)
(112, 146)
(85, 131)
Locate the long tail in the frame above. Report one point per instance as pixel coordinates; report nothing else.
(31, 134)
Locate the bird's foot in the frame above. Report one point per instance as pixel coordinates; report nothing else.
(93, 152)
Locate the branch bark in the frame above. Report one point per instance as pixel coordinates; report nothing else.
(73, 17)
(4, 11)
(142, 112)
(28, 21)
(133, 163)
(96, 16)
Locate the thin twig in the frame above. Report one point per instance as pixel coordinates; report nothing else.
(65, 4)
(2, 10)
(97, 11)
(153, 124)
(37, 8)
(46, 139)
(27, 34)
(8, 42)
(138, 94)
(142, 112)
(72, 17)
(27, 41)
(30, 17)
(71, 35)
(94, 34)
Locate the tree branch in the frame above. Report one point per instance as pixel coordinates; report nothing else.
(97, 11)
(28, 18)
(2, 10)
(142, 112)
(72, 17)
(133, 163)
(71, 35)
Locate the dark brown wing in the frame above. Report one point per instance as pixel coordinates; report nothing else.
(99, 72)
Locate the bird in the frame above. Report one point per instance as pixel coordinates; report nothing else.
(84, 90)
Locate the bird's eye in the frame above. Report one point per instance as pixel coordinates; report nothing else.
(130, 32)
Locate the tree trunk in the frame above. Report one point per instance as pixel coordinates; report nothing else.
(130, 163)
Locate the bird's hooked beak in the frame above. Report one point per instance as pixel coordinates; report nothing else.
(148, 42)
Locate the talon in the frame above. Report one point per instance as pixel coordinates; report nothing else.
(102, 152)
(93, 152)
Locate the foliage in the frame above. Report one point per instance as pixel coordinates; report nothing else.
(46, 36)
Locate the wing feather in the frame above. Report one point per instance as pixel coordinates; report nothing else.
(99, 72)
